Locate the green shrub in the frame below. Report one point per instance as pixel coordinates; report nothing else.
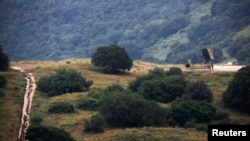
(95, 124)
(115, 87)
(160, 85)
(64, 81)
(157, 71)
(96, 93)
(134, 85)
(88, 103)
(124, 109)
(61, 107)
(186, 112)
(199, 91)
(174, 71)
(44, 133)
(164, 89)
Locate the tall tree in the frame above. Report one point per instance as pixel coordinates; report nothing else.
(112, 58)
(237, 95)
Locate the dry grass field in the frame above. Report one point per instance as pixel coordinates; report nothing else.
(73, 123)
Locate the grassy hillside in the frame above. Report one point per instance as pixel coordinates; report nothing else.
(73, 123)
(157, 31)
(11, 97)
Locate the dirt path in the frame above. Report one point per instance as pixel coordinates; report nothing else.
(219, 68)
(28, 96)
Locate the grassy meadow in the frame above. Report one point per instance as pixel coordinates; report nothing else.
(73, 123)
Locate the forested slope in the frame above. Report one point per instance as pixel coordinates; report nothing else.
(163, 31)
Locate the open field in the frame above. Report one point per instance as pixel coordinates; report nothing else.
(217, 80)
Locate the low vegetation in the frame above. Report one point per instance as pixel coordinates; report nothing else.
(113, 110)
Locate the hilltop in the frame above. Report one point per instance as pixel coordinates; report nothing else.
(162, 31)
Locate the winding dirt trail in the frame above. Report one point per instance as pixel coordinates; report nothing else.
(28, 96)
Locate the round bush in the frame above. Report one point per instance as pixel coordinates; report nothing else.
(189, 112)
(199, 91)
(61, 107)
(95, 124)
(64, 81)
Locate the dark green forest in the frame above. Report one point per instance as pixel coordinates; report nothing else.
(162, 31)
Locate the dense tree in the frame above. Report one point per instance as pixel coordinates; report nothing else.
(164, 89)
(124, 109)
(112, 58)
(237, 95)
(64, 81)
(160, 85)
(4, 60)
(184, 110)
(135, 84)
(44, 133)
(199, 91)
(142, 27)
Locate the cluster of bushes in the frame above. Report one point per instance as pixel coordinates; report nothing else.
(64, 81)
(126, 109)
(166, 86)
(185, 111)
(133, 108)
(137, 106)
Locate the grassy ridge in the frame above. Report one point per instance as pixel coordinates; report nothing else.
(73, 123)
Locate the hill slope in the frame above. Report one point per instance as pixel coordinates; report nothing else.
(73, 123)
(157, 31)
